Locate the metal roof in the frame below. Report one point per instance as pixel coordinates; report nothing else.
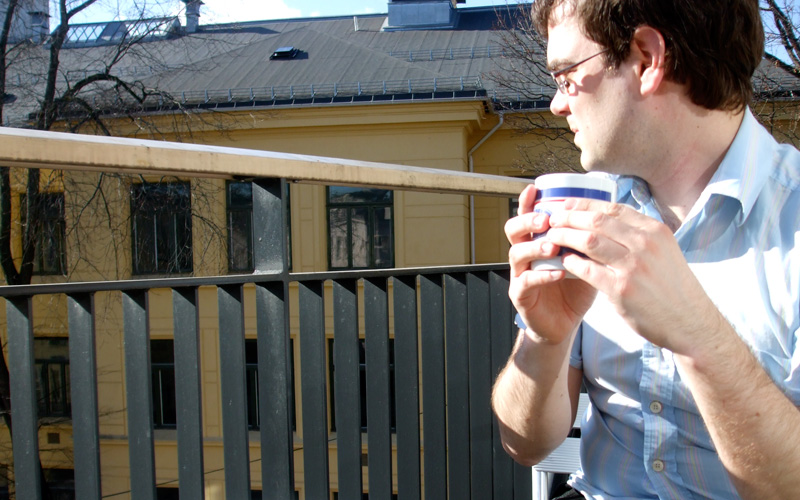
(338, 60)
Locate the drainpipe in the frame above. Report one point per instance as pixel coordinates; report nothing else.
(472, 197)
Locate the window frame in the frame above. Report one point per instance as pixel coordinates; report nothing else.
(42, 366)
(52, 230)
(180, 247)
(158, 388)
(372, 208)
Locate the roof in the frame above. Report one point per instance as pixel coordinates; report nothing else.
(348, 59)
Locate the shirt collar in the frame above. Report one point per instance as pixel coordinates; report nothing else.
(740, 175)
(742, 172)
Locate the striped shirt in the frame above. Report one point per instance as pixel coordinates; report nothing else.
(643, 437)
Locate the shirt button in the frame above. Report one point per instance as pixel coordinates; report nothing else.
(656, 407)
(658, 465)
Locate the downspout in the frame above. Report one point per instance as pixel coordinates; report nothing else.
(472, 197)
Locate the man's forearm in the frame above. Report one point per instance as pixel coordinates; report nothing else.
(531, 398)
(754, 426)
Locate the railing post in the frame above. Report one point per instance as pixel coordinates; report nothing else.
(139, 395)
(347, 387)
(457, 377)
(314, 394)
(25, 439)
(274, 390)
(379, 439)
(407, 387)
(480, 385)
(188, 393)
(232, 388)
(83, 390)
(433, 386)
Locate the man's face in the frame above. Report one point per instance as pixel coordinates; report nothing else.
(597, 104)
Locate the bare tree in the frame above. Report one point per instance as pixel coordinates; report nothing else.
(59, 82)
(521, 76)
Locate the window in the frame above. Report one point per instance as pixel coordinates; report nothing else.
(240, 227)
(50, 254)
(61, 483)
(162, 362)
(162, 228)
(167, 493)
(362, 368)
(51, 358)
(162, 366)
(251, 360)
(360, 228)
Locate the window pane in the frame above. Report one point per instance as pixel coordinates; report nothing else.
(360, 236)
(183, 236)
(164, 414)
(163, 378)
(382, 237)
(240, 195)
(337, 230)
(56, 383)
(52, 376)
(252, 397)
(251, 359)
(41, 388)
(342, 194)
(144, 243)
(240, 249)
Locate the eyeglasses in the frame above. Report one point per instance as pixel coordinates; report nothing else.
(559, 76)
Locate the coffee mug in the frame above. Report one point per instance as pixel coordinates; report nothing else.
(554, 189)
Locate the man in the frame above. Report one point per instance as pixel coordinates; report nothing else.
(683, 320)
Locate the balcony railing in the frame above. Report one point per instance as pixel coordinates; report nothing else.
(452, 330)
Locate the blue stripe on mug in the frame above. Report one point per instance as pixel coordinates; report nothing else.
(573, 192)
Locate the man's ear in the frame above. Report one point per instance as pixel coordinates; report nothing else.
(648, 50)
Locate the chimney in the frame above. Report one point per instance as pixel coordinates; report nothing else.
(192, 15)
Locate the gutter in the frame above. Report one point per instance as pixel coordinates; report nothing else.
(472, 197)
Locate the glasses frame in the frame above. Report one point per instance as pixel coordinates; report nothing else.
(561, 81)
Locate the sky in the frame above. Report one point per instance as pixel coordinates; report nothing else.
(225, 11)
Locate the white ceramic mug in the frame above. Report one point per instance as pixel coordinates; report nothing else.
(554, 189)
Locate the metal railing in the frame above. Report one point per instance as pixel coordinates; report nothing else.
(452, 330)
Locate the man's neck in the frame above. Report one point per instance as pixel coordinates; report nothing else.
(700, 145)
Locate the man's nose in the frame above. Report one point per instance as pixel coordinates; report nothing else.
(559, 105)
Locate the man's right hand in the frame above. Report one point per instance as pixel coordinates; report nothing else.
(549, 304)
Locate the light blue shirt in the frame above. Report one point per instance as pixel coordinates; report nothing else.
(643, 437)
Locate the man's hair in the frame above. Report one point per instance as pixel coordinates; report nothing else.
(712, 46)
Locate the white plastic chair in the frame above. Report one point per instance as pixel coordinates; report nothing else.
(565, 459)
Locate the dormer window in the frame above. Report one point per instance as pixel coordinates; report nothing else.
(285, 53)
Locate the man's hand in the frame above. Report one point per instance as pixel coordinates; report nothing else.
(636, 261)
(550, 305)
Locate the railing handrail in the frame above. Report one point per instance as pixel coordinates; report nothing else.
(143, 284)
(62, 151)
